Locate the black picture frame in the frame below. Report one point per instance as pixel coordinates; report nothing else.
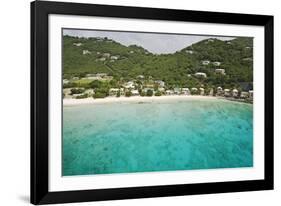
(39, 102)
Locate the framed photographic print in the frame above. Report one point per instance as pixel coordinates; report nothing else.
(131, 102)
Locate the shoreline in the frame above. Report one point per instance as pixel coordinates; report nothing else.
(136, 99)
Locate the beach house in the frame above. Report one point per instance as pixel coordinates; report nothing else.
(251, 94)
(194, 90)
(235, 93)
(227, 93)
(244, 95)
(177, 91)
(169, 92)
(160, 83)
(202, 90)
(185, 91)
(219, 91)
(134, 92)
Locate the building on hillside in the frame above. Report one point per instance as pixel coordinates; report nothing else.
(205, 62)
(200, 74)
(129, 85)
(189, 51)
(217, 64)
(220, 71)
(86, 52)
(106, 55)
(114, 57)
(77, 44)
(140, 77)
(101, 75)
(102, 59)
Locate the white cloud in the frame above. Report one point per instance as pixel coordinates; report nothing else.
(153, 42)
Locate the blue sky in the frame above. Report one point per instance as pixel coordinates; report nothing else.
(153, 42)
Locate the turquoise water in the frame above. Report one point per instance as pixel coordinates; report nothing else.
(143, 137)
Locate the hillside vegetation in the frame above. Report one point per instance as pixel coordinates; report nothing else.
(82, 56)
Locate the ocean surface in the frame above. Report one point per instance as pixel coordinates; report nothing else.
(159, 136)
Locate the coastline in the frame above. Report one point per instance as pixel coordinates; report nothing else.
(73, 102)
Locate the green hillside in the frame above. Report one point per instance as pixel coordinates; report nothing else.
(102, 55)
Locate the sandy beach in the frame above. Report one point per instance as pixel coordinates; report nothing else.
(71, 102)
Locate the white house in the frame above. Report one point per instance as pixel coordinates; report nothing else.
(89, 92)
(75, 78)
(219, 91)
(251, 94)
(160, 83)
(140, 76)
(161, 89)
(185, 91)
(205, 62)
(86, 52)
(102, 59)
(177, 91)
(216, 63)
(131, 52)
(235, 93)
(129, 85)
(220, 71)
(169, 92)
(107, 55)
(65, 81)
(201, 91)
(101, 74)
(189, 51)
(77, 44)
(114, 57)
(200, 74)
(227, 93)
(244, 95)
(135, 92)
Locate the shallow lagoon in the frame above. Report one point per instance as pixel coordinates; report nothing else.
(157, 136)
